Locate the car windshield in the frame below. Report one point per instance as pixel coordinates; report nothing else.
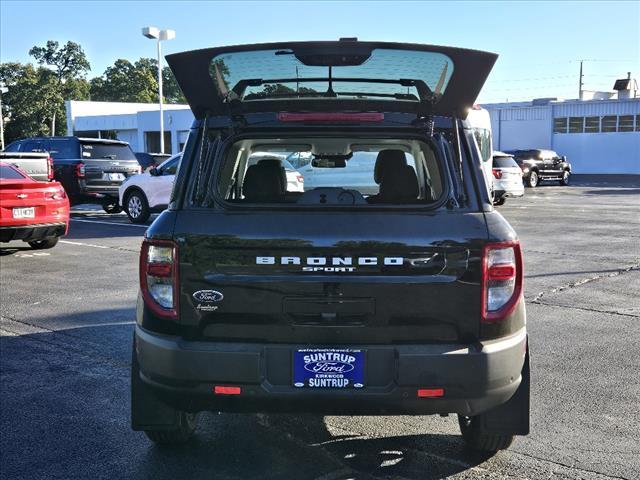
(113, 151)
(261, 74)
(340, 171)
(8, 173)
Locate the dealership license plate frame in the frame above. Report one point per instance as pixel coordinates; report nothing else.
(355, 376)
(24, 212)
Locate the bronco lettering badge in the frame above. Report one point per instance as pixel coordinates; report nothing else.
(331, 264)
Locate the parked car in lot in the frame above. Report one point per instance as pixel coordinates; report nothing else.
(35, 212)
(335, 300)
(150, 160)
(148, 192)
(89, 169)
(538, 165)
(38, 165)
(507, 178)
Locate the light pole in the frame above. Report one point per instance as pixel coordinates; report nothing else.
(3, 90)
(159, 35)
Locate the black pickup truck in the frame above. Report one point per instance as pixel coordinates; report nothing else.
(90, 169)
(539, 164)
(258, 298)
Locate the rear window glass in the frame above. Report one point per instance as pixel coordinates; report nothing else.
(8, 173)
(504, 162)
(279, 73)
(107, 150)
(63, 149)
(330, 171)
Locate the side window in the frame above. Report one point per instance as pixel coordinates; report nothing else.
(171, 167)
(483, 138)
(13, 147)
(32, 146)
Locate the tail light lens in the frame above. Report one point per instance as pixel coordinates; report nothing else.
(497, 173)
(501, 280)
(300, 178)
(80, 170)
(50, 168)
(58, 194)
(159, 277)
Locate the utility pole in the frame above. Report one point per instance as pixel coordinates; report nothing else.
(580, 82)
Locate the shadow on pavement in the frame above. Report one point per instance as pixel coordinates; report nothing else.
(623, 190)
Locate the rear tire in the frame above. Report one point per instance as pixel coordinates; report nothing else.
(565, 178)
(48, 242)
(478, 440)
(137, 207)
(188, 422)
(533, 179)
(500, 201)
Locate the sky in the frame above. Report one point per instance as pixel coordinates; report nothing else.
(540, 44)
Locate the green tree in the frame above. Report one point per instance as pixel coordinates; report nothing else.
(68, 64)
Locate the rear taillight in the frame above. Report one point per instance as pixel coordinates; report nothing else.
(50, 168)
(58, 194)
(300, 178)
(80, 170)
(331, 117)
(159, 277)
(501, 279)
(497, 173)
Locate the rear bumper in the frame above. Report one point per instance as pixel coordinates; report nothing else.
(475, 377)
(30, 233)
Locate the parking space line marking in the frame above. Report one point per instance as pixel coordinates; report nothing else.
(109, 223)
(82, 244)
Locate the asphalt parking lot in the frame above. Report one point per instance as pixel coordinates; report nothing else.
(67, 321)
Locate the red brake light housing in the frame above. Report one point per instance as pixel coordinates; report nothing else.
(331, 117)
(159, 277)
(497, 173)
(80, 170)
(50, 168)
(502, 275)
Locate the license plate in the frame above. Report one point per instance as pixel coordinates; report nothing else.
(25, 212)
(113, 177)
(328, 368)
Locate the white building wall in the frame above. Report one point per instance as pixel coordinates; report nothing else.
(600, 152)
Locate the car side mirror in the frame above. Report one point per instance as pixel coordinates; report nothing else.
(153, 171)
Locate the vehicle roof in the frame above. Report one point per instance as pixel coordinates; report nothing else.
(81, 139)
(497, 153)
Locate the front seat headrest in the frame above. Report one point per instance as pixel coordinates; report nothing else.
(265, 182)
(399, 185)
(388, 160)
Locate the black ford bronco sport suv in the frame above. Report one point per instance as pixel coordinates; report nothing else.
(254, 298)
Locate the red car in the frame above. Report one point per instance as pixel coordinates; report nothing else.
(36, 212)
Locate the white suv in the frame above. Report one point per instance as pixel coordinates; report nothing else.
(141, 195)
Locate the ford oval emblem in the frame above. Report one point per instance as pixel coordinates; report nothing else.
(328, 367)
(208, 296)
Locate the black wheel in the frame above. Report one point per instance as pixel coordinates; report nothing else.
(137, 207)
(470, 427)
(48, 242)
(533, 179)
(187, 424)
(111, 207)
(565, 178)
(500, 201)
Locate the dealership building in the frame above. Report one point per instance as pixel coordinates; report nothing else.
(598, 136)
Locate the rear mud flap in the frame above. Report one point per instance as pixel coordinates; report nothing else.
(512, 417)
(147, 411)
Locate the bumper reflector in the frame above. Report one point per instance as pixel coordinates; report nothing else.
(430, 392)
(226, 390)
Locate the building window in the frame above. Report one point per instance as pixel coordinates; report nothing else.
(153, 142)
(609, 123)
(592, 125)
(560, 125)
(637, 123)
(576, 124)
(625, 123)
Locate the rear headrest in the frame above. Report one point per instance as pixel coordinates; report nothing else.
(399, 185)
(265, 182)
(388, 160)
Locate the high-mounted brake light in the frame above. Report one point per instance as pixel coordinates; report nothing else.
(497, 173)
(226, 390)
(80, 170)
(49, 168)
(331, 117)
(159, 277)
(501, 280)
(430, 392)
